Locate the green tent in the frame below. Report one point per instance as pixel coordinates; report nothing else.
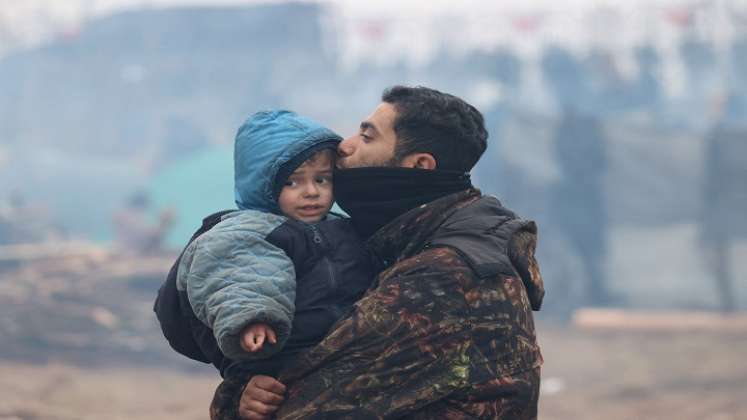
(194, 187)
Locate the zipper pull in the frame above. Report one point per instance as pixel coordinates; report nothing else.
(317, 236)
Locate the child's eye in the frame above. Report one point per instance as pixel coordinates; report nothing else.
(323, 179)
(290, 183)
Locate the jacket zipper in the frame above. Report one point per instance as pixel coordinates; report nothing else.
(317, 236)
(318, 240)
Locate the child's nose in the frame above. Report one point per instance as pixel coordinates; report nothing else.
(311, 189)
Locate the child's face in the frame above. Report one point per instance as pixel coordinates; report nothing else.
(307, 194)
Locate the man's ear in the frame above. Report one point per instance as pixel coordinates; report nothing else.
(420, 161)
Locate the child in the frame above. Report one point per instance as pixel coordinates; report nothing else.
(268, 281)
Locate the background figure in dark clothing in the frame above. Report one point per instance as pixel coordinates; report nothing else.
(577, 202)
(724, 195)
(645, 91)
(568, 79)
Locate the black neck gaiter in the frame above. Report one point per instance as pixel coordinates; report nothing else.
(375, 196)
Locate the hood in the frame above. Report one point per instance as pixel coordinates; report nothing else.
(269, 143)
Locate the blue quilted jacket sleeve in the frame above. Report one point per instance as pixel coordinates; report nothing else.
(233, 277)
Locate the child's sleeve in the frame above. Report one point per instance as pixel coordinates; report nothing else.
(234, 277)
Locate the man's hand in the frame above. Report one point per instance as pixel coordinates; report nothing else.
(253, 337)
(261, 398)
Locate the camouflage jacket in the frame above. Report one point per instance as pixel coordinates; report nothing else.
(447, 331)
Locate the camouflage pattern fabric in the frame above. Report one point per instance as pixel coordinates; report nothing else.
(431, 340)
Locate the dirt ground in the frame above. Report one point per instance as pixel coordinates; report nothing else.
(677, 376)
(682, 376)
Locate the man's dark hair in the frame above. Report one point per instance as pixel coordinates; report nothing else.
(429, 121)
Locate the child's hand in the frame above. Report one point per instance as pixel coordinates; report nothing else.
(253, 337)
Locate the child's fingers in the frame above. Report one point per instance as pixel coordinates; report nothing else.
(247, 341)
(255, 335)
(259, 340)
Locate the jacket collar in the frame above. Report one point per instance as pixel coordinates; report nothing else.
(406, 235)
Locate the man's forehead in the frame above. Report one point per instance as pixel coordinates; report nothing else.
(381, 119)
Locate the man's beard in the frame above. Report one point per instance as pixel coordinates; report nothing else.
(395, 161)
(392, 162)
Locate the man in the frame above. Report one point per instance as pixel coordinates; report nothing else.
(447, 329)
(724, 198)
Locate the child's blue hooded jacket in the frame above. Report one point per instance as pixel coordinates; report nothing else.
(272, 143)
(256, 265)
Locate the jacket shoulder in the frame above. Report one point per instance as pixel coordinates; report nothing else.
(248, 221)
(482, 233)
(246, 230)
(494, 241)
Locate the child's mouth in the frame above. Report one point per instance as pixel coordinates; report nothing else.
(310, 208)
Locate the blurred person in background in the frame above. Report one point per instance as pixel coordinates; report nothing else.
(577, 199)
(724, 194)
(134, 230)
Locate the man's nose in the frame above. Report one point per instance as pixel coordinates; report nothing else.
(346, 147)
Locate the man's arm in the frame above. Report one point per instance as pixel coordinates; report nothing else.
(427, 335)
(392, 355)
(406, 345)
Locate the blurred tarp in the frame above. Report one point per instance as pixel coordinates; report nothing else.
(194, 187)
